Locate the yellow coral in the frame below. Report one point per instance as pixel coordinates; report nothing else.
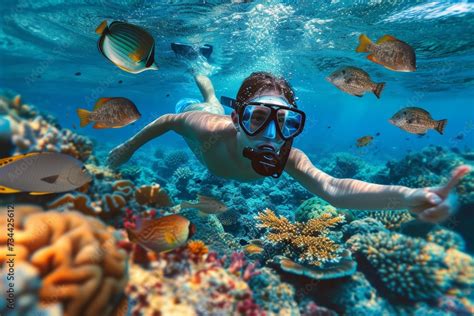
(309, 239)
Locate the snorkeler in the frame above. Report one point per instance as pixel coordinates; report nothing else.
(256, 141)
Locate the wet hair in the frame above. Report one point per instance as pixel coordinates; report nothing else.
(258, 82)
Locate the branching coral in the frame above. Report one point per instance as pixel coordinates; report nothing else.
(411, 267)
(309, 240)
(76, 258)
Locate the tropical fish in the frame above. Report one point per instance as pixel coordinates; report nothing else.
(252, 249)
(389, 52)
(128, 46)
(110, 113)
(206, 205)
(162, 234)
(42, 173)
(417, 121)
(355, 81)
(364, 141)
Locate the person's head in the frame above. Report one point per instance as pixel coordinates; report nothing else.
(263, 87)
(267, 119)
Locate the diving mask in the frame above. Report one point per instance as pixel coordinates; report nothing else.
(258, 113)
(255, 116)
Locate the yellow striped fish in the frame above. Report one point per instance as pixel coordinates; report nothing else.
(128, 46)
(162, 234)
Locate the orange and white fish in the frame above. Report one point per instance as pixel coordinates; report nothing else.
(389, 52)
(206, 205)
(110, 113)
(42, 173)
(128, 46)
(162, 234)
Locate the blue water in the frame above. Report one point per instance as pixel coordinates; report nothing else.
(49, 55)
(44, 43)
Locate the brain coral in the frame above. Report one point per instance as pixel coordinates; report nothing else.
(75, 257)
(411, 267)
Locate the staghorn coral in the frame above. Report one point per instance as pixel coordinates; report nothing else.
(310, 249)
(75, 256)
(308, 240)
(411, 267)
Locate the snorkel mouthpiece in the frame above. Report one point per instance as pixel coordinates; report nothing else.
(265, 161)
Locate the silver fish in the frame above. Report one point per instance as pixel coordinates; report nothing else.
(355, 81)
(41, 173)
(417, 121)
(206, 205)
(389, 52)
(110, 113)
(128, 46)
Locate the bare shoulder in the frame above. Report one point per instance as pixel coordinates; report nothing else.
(202, 123)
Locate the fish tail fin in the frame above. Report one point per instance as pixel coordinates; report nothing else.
(83, 117)
(364, 43)
(101, 28)
(378, 89)
(440, 125)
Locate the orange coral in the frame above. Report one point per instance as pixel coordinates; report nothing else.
(152, 195)
(308, 239)
(75, 256)
(197, 248)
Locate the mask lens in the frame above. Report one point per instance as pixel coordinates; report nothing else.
(289, 122)
(254, 116)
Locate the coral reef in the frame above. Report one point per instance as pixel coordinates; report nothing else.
(356, 296)
(175, 159)
(309, 248)
(411, 267)
(308, 240)
(272, 295)
(392, 219)
(153, 196)
(181, 283)
(312, 208)
(74, 256)
(32, 131)
(446, 238)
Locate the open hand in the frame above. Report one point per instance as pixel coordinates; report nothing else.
(436, 204)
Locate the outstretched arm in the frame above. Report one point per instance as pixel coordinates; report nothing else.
(163, 124)
(431, 204)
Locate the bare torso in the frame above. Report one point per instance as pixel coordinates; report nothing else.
(212, 139)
